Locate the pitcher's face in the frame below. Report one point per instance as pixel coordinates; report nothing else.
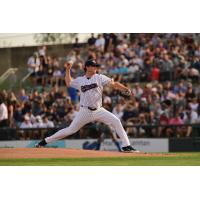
(91, 69)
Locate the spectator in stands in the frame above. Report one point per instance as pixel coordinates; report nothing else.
(143, 106)
(26, 123)
(33, 63)
(17, 115)
(180, 87)
(141, 131)
(167, 67)
(40, 76)
(91, 41)
(10, 106)
(137, 91)
(147, 57)
(129, 113)
(100, 43)
(194, 105)
(3, 114)
(108, 41)
(189, 117)
(176, 120)
(42, 51)
(190, 94)
(163, 120)
(50, 69)
(77, 46)
(46, 123)
(22, 95)
(155, 73)
(37, 122)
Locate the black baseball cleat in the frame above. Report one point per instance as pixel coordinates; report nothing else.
(129, 149)
(40, 144)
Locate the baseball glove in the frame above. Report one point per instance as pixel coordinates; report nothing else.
(127, 94)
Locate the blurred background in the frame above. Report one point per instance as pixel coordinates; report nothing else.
(162, 70)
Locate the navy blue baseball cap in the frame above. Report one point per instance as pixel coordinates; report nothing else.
(92, 63)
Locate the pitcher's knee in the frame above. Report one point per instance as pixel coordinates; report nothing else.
(72, 130)
(66, 131)
(116, 122)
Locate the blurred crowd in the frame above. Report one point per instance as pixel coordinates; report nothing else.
(127, 57)
(162, 70)
(153, 103)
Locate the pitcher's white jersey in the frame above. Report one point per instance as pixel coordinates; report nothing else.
(91, 89)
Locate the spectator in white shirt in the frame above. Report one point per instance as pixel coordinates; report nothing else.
(100, 42)
(3, 114)
(190, 117)
(47, 123)
(194, 104)
(33, 63)
(26, 123)
(38, 122)
(42, 51)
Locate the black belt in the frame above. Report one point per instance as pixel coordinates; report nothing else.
(92, 109)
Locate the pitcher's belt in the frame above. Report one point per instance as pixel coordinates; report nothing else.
(89, 108)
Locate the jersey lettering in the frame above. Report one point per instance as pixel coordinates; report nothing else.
(88, 87)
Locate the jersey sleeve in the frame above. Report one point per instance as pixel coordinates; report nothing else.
(75, 83)
(105, 80)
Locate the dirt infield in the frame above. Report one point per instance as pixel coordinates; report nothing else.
(67, 153)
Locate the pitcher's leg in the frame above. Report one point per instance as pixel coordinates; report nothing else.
(82, 118)
(111, 120)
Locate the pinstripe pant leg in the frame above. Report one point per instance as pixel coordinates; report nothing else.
(83, 117)
(102, 115)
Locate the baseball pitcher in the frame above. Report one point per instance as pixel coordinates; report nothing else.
(91, 87)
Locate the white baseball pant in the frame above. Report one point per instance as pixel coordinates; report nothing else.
(86, 116)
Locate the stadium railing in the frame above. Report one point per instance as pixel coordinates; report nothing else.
(91, 131)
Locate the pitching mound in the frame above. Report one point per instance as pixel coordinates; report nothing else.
(67, 153)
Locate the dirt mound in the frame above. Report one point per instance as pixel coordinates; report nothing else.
(66, 153)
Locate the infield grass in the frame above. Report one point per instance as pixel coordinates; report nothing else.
(178, 159)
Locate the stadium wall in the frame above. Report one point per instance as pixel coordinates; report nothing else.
(144, 144)
(184, 144)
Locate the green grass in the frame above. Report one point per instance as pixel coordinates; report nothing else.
(179, 159)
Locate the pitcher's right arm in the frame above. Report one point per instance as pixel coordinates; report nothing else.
(68, 78)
